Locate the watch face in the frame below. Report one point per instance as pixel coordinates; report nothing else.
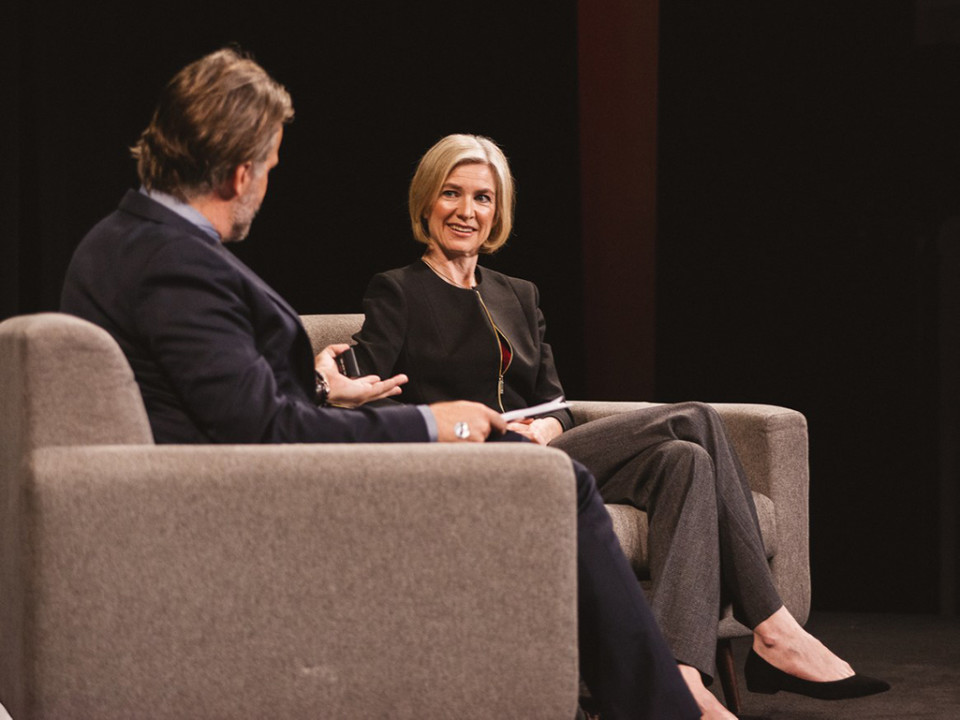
(322, 389)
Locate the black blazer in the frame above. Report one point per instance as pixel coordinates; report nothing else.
(218, 355)
(443, 338)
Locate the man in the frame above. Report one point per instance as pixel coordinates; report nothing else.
(220, 357)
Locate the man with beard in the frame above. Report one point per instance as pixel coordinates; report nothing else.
(217, 353)
(220, 357)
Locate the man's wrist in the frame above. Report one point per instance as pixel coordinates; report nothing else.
(322, 388)
(430, 421)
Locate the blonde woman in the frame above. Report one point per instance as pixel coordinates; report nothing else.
(459, 330)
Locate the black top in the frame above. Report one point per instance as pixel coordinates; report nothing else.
(445, 339)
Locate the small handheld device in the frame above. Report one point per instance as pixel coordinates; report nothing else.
(347, 363)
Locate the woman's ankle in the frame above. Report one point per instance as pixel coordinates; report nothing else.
(776, 629)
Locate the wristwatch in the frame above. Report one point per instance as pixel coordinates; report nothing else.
(323, 388)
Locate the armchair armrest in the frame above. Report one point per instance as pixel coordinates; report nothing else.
(771, 442)
(287, 581)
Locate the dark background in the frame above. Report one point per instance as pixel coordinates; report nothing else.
(804, 163)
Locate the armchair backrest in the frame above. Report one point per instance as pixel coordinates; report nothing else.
(65, 381)
(329, 329)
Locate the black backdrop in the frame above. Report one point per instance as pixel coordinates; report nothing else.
(808, 155)
(374, 85)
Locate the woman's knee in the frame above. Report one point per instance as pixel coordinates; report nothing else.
(701, 412)
(700, 423)
(682, 457)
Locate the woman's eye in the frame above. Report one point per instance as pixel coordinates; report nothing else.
(448, 193)
(483, 198)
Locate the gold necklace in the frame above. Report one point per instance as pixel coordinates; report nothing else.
(446, 277)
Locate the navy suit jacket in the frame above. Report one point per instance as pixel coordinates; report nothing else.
(218, 355)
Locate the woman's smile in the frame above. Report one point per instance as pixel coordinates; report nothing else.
(464, 230)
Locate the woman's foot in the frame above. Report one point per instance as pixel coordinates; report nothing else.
(782, 642)
(710, 707)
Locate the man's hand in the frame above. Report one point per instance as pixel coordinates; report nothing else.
(353, 392)
(473, 421)
(540, 431)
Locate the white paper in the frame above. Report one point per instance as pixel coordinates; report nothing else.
(540, 409)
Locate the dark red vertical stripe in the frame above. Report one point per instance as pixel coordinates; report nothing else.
(618, 143)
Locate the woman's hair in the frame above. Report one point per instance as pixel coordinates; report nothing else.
(217, 113)
(434, 169)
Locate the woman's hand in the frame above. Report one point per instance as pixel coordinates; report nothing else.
(353, 392)
(540, 431)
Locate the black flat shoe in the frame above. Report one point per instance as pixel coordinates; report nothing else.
(762, 677)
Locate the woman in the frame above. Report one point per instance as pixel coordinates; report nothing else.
(462, 331)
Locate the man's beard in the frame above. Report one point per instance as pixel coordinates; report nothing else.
(244, 212)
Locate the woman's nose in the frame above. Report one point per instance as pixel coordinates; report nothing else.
(466, 207)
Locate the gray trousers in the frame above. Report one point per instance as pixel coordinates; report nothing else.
(676, 463)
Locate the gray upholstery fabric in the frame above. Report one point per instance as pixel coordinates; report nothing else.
(294, 581)
(74, 386)
(329, 329)
(60, 384)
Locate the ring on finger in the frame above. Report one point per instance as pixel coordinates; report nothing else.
(461, 430)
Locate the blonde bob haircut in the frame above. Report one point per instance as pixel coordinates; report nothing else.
(434, 169)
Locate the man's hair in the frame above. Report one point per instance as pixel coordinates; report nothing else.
(217, 113)
(434, 169)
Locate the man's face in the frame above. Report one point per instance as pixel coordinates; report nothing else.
(247, 205)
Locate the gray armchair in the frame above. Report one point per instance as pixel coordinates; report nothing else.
(297, 581)
(772, 444)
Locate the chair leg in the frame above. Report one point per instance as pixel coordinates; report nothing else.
(728, 675)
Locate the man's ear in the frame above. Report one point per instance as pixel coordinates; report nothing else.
(237, 181)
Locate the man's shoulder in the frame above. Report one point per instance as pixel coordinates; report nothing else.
(139, 216)
(141, 207)
(141, 228)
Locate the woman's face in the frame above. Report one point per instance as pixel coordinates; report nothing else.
(462, 215)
